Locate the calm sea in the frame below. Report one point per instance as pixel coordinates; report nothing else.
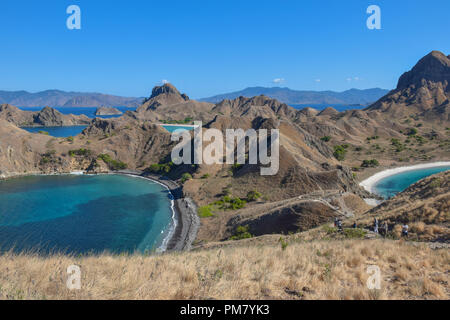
(82, 214)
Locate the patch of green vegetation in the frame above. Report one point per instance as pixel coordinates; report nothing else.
(370, 163)
(48, 157)
(372, 138)
(397, 145)
(355, 233)
(205, 211)
(185, 121)
(69, 139)
(80, 152)
(411, 132)
(185, 177)
(325, 138)
(253, 195)
(376, 146)
(284, 244)
(160, 168)
(241, 233)
(112, 164)
(43, 132)
(340, 152)
(230, 203)
(420, 139)
(329, 230)
(205, 176)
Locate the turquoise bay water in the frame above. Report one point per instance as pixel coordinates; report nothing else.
(172, 128)
(64, 132)
(83, 214)
(58, 132)
(390, 186)
(89, 112)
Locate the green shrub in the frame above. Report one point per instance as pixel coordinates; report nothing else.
(205, 211)
(205, 176)
(253, 195)
(80, 152)
(412, 132)
(112, 164)
(372, 138)
(325, 138)
(355, 233)
(283, 243)
(330, 230)
(43, 132)
(241, 233)
(70, 139)
(185, 177)
(230, 203)
(160, 168)
(397, 144)
(339, 152)
(420, 139)
(370, 163)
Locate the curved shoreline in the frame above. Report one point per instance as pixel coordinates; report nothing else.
(186, 220)
(369, 183)
(165, 241)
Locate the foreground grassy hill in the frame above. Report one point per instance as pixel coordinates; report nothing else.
(289, 270)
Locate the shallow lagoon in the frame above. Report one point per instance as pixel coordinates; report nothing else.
(391, 185)
(83, 214)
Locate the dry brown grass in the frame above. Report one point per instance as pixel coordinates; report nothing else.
(313, 270)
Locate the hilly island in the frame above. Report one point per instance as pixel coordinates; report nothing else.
(354, 188)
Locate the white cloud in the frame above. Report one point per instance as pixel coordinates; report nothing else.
(317, 80)
(354, 79)
(278, 80)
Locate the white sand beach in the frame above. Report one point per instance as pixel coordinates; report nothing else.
(370, 182)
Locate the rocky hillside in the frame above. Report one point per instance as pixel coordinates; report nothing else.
(46, 117)
(325, 151)
(107, 111)
(166, 103)
(409, 124)
(423, 91)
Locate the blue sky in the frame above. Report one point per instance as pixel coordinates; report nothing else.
(207, 47)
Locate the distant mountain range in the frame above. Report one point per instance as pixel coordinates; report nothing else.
(293, 97)
(57, 98)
